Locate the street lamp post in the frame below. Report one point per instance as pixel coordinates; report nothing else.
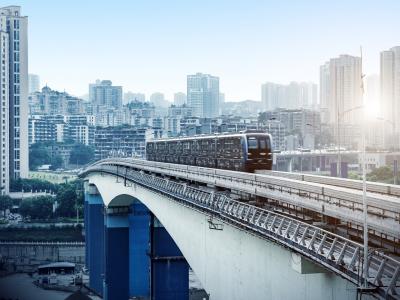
(364, 175)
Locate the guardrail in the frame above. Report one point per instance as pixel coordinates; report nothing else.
(336, 253)
(373, 187)
(341, 203)
(70, 244)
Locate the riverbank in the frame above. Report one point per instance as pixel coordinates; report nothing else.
(49, 233)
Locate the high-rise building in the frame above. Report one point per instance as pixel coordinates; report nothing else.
(158, 99)
(104, 96)
(203, 95)
(221, 102)
(4, 114)
(341, 98)
(131, 97)
(50, 102)
(390, 93)
(324, 92)
(180, 99)
(341, 89)
(34, 83)
(295, 95)
(14, 101)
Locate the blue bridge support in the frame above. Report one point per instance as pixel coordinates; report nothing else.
(94, 235)
(169, 269)
(139, 242)
(116, 280)
(130, 254)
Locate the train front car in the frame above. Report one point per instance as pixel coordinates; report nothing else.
(258, 153)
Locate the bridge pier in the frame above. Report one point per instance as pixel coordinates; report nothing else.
(94, 236)
(130, 254)
(139, 249)
(116, 280)
(169, 269)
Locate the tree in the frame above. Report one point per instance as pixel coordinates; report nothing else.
(382, 174)
(5, 203)
(262, 118)
(81, 154)
(38, 155)
(39, 208)
(25, 184)
(66, 199)
(56, 162)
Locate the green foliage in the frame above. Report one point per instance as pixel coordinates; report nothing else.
(5, 203)
(382, 174)
(81, 154)
(46, 234)
(38, 155)
(37, 208)
(262, 118)
(66, 199)
(354, 175)
(69, 198)
(20, 185)
(56, 162)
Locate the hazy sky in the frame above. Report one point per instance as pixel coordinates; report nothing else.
(149, 46)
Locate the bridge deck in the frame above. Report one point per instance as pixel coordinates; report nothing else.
(340, 255)
(343, 203)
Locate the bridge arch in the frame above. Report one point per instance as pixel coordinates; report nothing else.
(230, 263)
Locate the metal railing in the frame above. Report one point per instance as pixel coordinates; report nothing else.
(33, 243)
(336, 253)
(344, 204)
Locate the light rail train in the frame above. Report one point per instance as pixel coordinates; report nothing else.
(247, 152)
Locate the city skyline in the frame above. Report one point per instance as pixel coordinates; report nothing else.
(157, 53)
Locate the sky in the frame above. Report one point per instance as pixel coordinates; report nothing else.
(150, 46)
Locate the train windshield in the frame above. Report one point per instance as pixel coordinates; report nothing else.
(252, 143)
(258, 143)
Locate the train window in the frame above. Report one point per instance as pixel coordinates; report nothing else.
(252, 143)
(263, 144)
(228, 144)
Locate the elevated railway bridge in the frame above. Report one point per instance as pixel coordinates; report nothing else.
(317, 218)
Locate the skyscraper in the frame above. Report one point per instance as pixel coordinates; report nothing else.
(130, 96)
(104, 96)
(390, 92)
(180, 99)
(295, 95)
(203, 95)
(34, 83)
(340, 82)
(158, 99)
(14, 78)
(324, 92)
(341, 89)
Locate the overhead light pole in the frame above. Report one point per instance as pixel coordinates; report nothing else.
(364, 172)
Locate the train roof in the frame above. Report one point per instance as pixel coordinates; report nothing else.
(209, 136)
